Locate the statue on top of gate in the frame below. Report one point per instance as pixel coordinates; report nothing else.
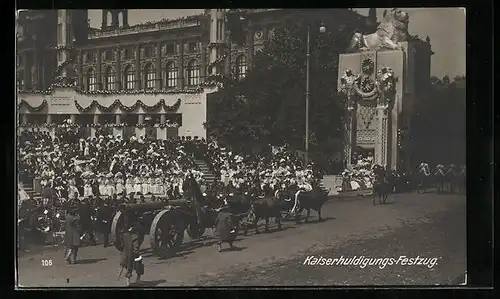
(392, 30)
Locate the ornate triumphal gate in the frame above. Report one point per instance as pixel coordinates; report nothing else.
(380, 80)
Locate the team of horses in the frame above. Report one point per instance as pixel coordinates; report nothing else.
(249, 205)
(451, 179)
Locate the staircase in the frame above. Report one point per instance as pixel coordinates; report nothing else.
(208, 175)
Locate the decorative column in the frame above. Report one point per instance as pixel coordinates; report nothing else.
(34, 78)
(158, 66)
(386, 86)
(95, 121)
(118, 70)
(161, 133)
(118, 131)
(203, 62)
(80, 70)
(348, 90)
(137, 67)
(98, 70)
(381, 149)
(180, 65)
(51, 130)
(140, 130)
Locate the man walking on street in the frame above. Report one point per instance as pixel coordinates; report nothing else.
(72, 234)
(131, 260)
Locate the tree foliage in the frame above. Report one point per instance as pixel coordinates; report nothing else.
(439, 125)
(268, 106)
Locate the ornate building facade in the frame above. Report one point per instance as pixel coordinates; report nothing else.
(152, 78)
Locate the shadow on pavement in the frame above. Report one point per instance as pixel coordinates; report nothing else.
(178, 254)
(148, 283)
(235, 248)
(89, 261)
(314, 219)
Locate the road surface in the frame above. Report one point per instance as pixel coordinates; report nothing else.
(412, 225)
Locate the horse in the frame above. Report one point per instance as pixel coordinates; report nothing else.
(380, 186)
(424, 175)
(441, 178)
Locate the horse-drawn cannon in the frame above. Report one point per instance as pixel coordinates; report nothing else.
(165, 221)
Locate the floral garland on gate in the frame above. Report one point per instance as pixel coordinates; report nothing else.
(32, 108)
(137, 104)
(113, 92)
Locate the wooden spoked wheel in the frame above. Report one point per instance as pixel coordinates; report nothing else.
(166, 233)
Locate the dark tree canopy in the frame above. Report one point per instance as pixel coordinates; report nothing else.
(268, 107)
(438, 127)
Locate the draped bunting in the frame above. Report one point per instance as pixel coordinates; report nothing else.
(137, 104)
(33, 108)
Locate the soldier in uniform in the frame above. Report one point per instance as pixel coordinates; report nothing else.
(131, 260)
(224, 228)
(72, 234)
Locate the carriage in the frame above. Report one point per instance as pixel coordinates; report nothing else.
(165, 221)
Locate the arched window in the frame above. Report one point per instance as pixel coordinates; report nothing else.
(241, 67)
(109, 18)
(171, 76)
(110, 76)
(129, 77)
(150, 76)
(91, 80)
(193, 72)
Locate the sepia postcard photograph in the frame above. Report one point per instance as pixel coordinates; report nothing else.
(241, 147)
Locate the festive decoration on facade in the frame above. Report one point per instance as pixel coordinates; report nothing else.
(141, 91)
(367, 85)
(137, 104)
(367, 66)
(213, 80)
(32, 108)
(354, 84)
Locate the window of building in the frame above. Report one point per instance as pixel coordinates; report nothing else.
(241, 67)
(150, 74)
(108, 55)
(193, 72)
(127, 53)
(148, 51)
(20, 80)
(171, 76)
(91, 80)
(171, 49)
(110, 76)
(129, 77)
(89, 57)
(193, 47)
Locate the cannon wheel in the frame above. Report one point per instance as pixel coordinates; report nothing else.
(194, 229)
(166, 235)
(117, 230)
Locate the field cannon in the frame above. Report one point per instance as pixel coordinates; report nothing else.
(166, 222)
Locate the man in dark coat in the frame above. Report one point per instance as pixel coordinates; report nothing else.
(224, 228)
(105, 218)
(86, 213)
(131, 260)
(72, 234)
